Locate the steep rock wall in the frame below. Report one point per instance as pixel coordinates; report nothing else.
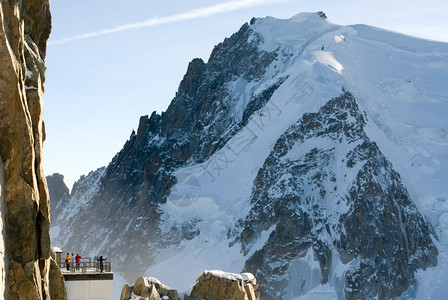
(365, 217)
(24, 29)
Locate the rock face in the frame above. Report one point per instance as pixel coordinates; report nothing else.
(213, 285)
(186, 133)
(298, 194)
(24, 31)
(57, 281)
(58, 191)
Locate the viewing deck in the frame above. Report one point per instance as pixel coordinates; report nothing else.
(87, 270)
(87, 280)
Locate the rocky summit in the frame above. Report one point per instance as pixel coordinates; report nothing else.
(28, 270)
(304, 152)
(368, 217)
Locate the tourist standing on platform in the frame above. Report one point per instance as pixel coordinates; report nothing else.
(77, 260)
(67, 261)
(102, 263)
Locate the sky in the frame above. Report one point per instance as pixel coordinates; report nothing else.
(110, 62)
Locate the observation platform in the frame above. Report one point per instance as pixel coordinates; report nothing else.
(88, 280)
(88, 270)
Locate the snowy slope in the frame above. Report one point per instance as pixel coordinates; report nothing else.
(400, 85)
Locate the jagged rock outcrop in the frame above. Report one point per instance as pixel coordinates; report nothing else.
(24, 31)
(186, 133)
(60, 195)
(126, 292)
(148, 288)
(57, 281)
(58, 191)
(366, 216)
(210, 285)
(213, 285)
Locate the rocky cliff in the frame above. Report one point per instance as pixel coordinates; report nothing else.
(199, 121)
(364, 217)
(58, 190)
(24, 30)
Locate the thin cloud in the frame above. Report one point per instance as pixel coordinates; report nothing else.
(192, 14)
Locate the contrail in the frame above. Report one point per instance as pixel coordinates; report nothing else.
(192, 14)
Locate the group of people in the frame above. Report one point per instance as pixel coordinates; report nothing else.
(77, 258)
(69, 259)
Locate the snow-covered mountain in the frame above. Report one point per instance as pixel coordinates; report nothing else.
(310, 154)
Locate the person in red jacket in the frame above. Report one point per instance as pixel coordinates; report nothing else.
(78, 261)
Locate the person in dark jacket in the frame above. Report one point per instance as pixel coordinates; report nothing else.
(101, 259)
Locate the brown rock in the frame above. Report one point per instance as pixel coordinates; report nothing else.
(213, 285)
(21, 287)
(57, 282)
(153, 294)
(164, 291)
(173, 294)
(148, 287)
(160, 288)
(250, 292)
(126, 292)
(24, 31)
(141, 287)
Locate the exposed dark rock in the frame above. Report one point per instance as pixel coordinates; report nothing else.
(260, 100)
(322, 15)
(58, 191)
(374, 221)
(139, 178)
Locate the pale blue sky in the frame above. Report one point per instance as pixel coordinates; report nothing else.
(97, 87)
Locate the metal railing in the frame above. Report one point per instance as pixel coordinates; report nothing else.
(86, 266)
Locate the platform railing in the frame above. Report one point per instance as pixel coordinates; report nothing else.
(86, 266)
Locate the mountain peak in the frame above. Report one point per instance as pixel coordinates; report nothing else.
(307, 16)
(260, 163)
(296, 31)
